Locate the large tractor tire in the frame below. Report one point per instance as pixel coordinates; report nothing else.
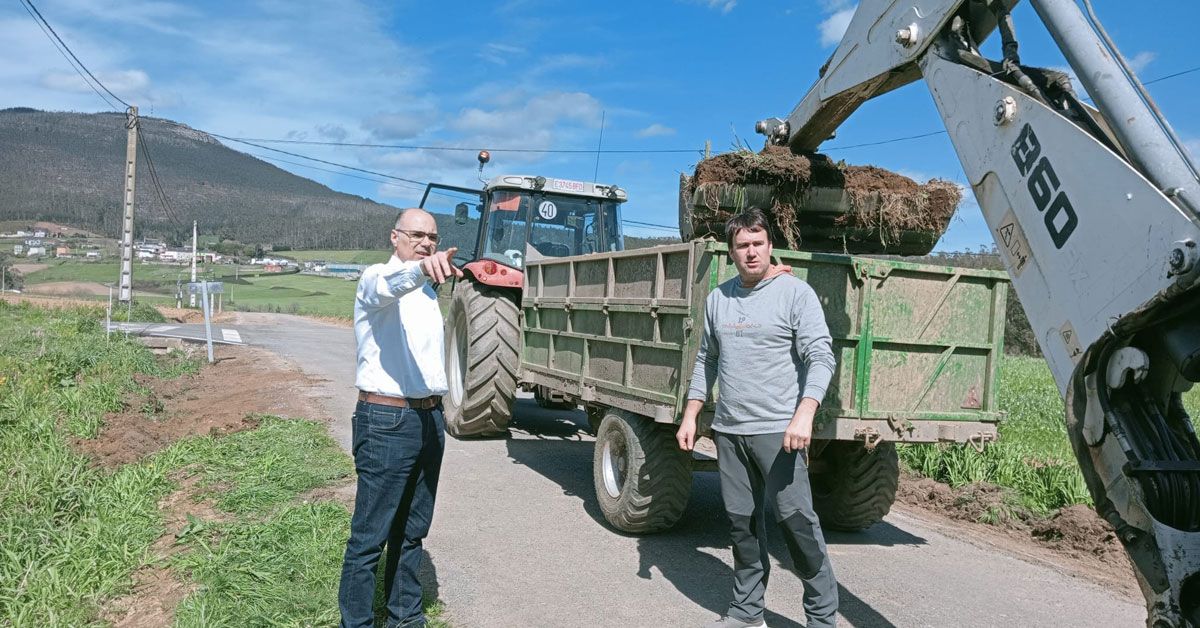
(483, 344)
(642, 478)
(857, 487)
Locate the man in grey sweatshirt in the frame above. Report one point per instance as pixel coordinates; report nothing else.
(767, 346)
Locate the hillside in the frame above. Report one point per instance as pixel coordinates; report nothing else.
(68, 167)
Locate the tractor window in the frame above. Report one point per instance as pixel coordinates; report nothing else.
(614, 239)
(563, 225)
(505, 237)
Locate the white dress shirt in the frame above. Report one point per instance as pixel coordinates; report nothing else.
(398, 325)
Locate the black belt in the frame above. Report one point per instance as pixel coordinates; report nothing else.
(421, 403)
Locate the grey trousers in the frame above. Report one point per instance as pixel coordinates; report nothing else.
(755, 469)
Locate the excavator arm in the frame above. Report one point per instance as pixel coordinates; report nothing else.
(1094, 212)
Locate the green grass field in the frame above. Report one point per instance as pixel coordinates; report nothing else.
(246, 289)
(1033, 456)
(340, 257)
(73, 534)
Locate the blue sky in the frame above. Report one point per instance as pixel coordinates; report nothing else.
(532, 74)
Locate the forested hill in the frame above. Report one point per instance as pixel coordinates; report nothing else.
(68, 168)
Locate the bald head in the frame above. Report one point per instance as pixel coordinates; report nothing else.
(415, 235)
(412, 213)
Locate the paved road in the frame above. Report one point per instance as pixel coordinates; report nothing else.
(186, 331)
(518, 539)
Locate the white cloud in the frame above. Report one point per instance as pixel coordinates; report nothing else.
(120, 82)
(399, 125)
(500, 54)
(553, 63)
(833, 27)
(1193, 147)
(656, 130)
(1141, 60)
(724, 6)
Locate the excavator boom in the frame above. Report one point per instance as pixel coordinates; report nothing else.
(1094, 211)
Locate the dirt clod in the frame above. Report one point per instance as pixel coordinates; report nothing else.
(817, 204)
(1074, 537)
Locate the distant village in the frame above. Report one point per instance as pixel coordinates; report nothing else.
(39, 243)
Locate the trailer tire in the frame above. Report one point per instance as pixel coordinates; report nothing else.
(858, 486)
(483, 343)
(642, 478)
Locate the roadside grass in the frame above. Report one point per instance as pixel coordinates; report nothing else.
(73, 534)
(1033, 456)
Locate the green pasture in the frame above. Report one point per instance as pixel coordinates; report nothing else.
(1033, 456)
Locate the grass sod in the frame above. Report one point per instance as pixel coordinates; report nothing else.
(1033, 456)
(74, 534)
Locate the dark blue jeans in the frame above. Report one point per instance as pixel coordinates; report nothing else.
(398, 456)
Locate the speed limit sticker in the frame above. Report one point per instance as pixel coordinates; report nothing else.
(547, 210)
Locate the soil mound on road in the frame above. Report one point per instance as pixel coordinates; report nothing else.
(816, 204)
(1075, 532)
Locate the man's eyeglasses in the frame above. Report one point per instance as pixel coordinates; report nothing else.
(420, 235)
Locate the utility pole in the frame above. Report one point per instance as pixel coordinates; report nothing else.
(131, 127)
(192, 297)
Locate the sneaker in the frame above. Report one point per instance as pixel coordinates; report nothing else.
(730, 622)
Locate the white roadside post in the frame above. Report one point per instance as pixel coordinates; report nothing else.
(207, 307)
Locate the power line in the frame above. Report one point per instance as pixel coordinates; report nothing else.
(323, 161)
(57, 47)
(468, 149)
(338, 172)
(650, 224)
(42, 20)
(168, 209)
(1170, 76)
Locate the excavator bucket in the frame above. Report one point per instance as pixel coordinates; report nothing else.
(817, 205)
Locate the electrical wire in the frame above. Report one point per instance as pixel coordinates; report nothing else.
(57, 47)
(42, 20)
(468, 149)
(168, 209)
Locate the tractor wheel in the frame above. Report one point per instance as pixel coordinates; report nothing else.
(483, 344)
(857, 487)
(642, 478)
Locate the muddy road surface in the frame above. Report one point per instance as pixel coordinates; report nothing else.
(518, 539)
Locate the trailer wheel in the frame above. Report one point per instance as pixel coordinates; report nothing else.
(482, 352)
(642, 478)
(857, 487)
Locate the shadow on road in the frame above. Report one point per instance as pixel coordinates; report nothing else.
(556, 444)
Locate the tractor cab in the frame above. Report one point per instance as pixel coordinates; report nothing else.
(525, 218)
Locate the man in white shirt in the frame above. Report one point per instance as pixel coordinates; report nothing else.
(399, 433)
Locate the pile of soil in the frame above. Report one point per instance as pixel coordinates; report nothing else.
(216, 400)
(1076, 533)
(816, 204)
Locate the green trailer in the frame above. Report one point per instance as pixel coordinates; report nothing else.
(918, 348)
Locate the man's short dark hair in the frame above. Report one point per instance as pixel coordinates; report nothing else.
(751, 218)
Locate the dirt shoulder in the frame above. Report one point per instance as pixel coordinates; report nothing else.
(221, 398)
(1073, 540)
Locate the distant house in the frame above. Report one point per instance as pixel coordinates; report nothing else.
(177, 255)
(62, 251)
(18, 249)
(145, 255)
(33, 242)
(92, 256)
(36, 251)
(39, 233)
(272, 267)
